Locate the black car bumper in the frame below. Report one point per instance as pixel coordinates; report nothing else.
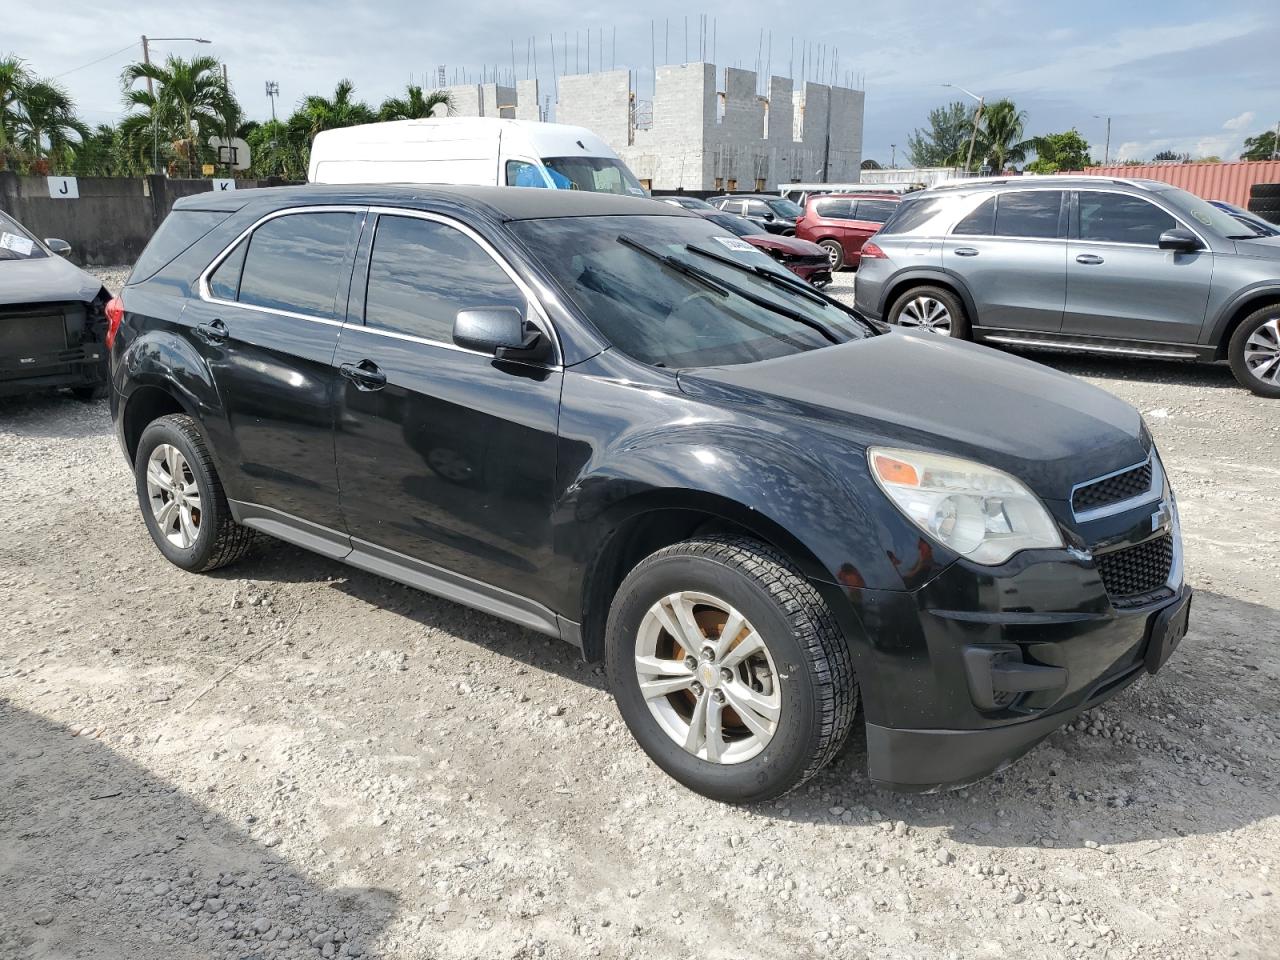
(77, 367)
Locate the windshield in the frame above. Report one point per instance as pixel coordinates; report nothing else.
(738, 226)
(1203, 213)
(16, 243)
(693, 310)
(785, 208)
(596, 174)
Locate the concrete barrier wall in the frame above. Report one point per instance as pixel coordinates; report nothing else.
(111, 220)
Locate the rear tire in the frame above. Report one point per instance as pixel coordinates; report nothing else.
(1254, 352)
(182, 500)
(799, 675)
(835, 251)
(1265, 191)
(931, 310)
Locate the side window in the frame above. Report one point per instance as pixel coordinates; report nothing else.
(1118, 218)
(832, 209)
(522, 173)
(875, 211)
(1028, 213)
(981, 222)
(758, 208)
(421, 273)
(224, 283)
(295, 263)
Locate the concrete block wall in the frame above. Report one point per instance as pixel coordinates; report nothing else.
(601, 102)
(673, 154)
(527, 102)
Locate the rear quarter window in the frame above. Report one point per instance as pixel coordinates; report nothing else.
(180, 230)
(916, 216)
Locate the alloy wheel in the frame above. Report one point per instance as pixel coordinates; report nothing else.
(1262, 352)
(707, 677)
(174, 495)
(928, 314)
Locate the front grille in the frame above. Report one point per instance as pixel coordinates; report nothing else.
(1136, 575)
(1109, 490)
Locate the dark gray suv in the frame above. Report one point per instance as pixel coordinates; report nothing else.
(1132, 267)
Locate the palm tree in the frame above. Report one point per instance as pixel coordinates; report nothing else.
(1002, 135)
(14, 76)
(187, 105)
(415, 106)
(318, 113)
(46, 114)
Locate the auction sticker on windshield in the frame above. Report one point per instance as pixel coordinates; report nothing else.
(735, 243)
(19, 245)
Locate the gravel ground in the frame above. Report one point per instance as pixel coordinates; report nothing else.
(292, 758)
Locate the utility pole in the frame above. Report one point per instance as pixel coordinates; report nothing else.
(1275, 144)
(893, 163)
(146, 59)
(226, 89)
(1106, 150)
(977, 118)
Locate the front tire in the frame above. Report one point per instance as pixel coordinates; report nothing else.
(1254, 352)
(728, 668)
(931, 310)
(182, 500)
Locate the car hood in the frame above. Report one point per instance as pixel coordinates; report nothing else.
(45, 280)
(1268, 248)
(1049, 429)
(792, 245)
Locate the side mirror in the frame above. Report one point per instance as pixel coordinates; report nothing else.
(1179, 239)
(60, 247)
(770, 217)
(501, 331)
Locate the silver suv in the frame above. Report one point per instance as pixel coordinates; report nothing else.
(1133, 267)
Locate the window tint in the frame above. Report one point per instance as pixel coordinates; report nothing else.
(1028, 213)
(224, 283)
(875, 211)
(758, 208)
(294, 263)
(421, 273)
(179, 231)
(1117, 218)
(522, 173)
(832, 209)
(981, 222)
(913, 216)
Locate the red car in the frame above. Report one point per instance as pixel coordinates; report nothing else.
(806, 260)
(841, 223)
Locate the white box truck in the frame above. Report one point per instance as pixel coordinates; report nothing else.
(480, 150)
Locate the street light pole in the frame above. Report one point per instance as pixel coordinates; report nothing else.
(1106, 151)
(146, 59)
(977, 118)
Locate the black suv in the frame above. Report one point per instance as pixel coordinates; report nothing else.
(776, 214)
(604, 419)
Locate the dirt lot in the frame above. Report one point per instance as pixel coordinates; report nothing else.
(291, 758)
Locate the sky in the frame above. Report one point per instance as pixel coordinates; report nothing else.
(1184, 76)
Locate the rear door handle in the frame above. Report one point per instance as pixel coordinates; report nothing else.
(1089, 258)
(966, 252)
(213, 332)
(365, 375)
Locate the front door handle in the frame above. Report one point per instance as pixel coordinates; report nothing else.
(1089, 258)
(365, 375)
(966, 252)
(213, 332)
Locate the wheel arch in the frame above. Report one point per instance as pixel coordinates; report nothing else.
(1236, 311)
(144, 405)
(900, 284)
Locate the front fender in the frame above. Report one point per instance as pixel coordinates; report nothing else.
(1265, 290)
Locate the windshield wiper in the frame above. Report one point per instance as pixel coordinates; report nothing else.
(724, 288)
(795, 285)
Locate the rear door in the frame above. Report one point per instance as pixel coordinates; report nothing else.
(868, 216)
(1121, 284)
(267, 323)
(446, 456)
(1011, 251)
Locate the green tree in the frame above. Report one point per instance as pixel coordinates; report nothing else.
(1001, 135)
(1169, 156)
(47, 126)
(278, 150)
(318, 114)
(14, 76)
(106, 152)
(187, 105)
(1059, 151)
(414, 105)
(946, 140)
(1261, 147)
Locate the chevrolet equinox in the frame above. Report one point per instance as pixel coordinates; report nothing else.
(607, 420)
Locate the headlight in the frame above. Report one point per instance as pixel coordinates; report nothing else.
(979, 512)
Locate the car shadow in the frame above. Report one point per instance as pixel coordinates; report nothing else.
(101, 857)
(1182, 373)
(54, 414)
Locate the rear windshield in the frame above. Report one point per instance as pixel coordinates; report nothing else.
(179, 231)
(16, 243)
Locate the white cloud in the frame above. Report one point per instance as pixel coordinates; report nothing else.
(1242, 122)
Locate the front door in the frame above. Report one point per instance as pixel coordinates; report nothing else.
(1011, 253)
(446, 456)
(1121, 284)
(267, 324)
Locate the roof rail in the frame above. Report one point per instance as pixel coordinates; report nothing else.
(1039, 180)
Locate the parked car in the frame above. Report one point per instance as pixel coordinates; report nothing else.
(1251, 220)
(689, 203)
(776, 214)
(1105, 265)
(841, 224)
(806, 260)
(601, 419)
(52, 318)
(800, 192)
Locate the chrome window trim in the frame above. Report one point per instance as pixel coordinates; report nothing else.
(1154, 492)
